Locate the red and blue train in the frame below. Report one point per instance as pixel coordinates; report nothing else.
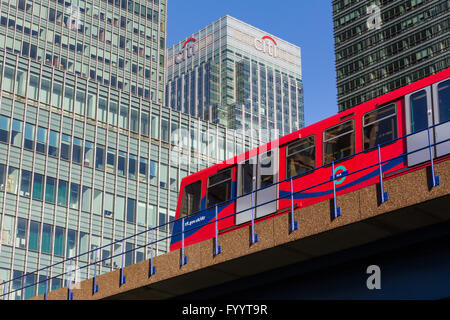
(350, 142)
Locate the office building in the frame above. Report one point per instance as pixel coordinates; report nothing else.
(383, 45)
(237, 75)
(85, 161)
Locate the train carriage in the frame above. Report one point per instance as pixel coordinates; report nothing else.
(348, 147)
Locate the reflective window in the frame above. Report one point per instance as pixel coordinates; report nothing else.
(131, 210)
(12, 180)
(122, 163)
(144, 123)
(38, 189)
(86, 199)
(25, 183)
(65, 147)
(50, 189)
(100, 157)
(21, 233)
(41, 140)
(53, 143)
(16, 133)
(101, 110)
(33, 238)
(219, 188)
(134, 120)
(29, 136)
(46, 241)
(419, 115)
(163, 175)
(58, 246)
(300, 156)
(57, 94)
(98, 200)
(123, 119)
(112, 115)
(444, 101)
(4, 129)
(76, 150)
(111, 160)
(45, 90)
(132, 163)
(190, 201)
(68, 97)
(33, 88)
(143, 169)
(74, 195)
(109, 204)
(62, 192)
(339, 141)
(71, 243)
(380, 126)
(120, 208)
(88, 153)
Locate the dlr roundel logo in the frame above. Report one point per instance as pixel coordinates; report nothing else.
(187, 51)
(267, 45)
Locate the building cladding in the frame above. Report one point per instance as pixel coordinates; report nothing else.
(380, 51)
(235, 74)
(83, 162)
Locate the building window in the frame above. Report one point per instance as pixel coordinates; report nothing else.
(25, 183)
(131, 210)
(100, 157)
(68, 97)
(65, 147)
(41, 141)
(46, 241)
(71, 243)
(21, 233)
(74, 195)
(4, 129)
(143, 169)
(109, 204)
(45, 90)
(16, 133)
(12, 180)
(163, 176)
(38, 186)
(33, 239)
(62, 193)
(33, 88)
(122, 163)
(58, 246)
(57, 94)
(123, 119)
(153, 172)
(111, 160)
(98, 199)
(120, 208)
(339, 141)
(132, 166)
(380, 126)
(101, 111)
(300, 156)
(134, 120)
(53, 144)
(29, 136)
(88, 153)
(50, 189)
(76, 150)
(86, 199)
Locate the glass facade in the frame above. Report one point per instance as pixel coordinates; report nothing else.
(383, 45)
(85, 161)
(231, 73)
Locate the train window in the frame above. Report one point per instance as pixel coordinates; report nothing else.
(300, 156)
(190, 202)
(247, 176)
(219, 188)
(380, 126)
(444, 101)
(339, 141)
(419, 115)
(267, 170)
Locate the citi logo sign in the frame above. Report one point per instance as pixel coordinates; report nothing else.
(267, 45)
(187, 51)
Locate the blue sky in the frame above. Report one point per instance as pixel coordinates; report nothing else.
(305, 23)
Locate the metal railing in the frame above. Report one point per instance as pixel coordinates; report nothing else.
(293, 225)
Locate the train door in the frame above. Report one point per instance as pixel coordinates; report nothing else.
(419, 116)
(441, 109)
(255, 173)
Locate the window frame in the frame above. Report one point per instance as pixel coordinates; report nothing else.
(352, 120)
(287, 155)
(363, 125)
(208, 185)
(182, 197)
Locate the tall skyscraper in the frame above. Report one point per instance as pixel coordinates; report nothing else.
(88, 154)
(237, 75)
(382, 45)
